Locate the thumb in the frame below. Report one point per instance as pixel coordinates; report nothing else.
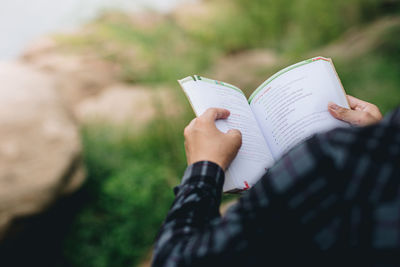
(355, 117)
(235, 136)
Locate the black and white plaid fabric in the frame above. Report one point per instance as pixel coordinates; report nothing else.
(332, 201)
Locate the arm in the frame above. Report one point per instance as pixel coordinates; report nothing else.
(186, 228)
(300, 207)
(196, 205)
(194, 234)
(257, 229)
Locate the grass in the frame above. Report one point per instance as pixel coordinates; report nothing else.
(131, 175)
(373, 79)
(375, 76)
(128, 192)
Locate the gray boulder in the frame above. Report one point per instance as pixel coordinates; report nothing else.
(40, 150)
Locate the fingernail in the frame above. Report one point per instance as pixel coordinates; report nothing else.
(333, 106)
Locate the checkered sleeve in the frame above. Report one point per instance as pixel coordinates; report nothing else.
(333, 200)
(194, 233)
(196, 204)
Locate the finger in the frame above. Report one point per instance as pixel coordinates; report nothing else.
(355, 103)
(358, 104)
(354, 117)
(191, 123)
(236, 137)
(188, 128)
(213, 114)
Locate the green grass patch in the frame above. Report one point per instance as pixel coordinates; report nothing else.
(375, 77)
(129, 191)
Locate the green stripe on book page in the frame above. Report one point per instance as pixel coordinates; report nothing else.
(285, 70)
(220, 83)
(187, 79)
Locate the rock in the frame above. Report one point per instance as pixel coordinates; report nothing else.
(40, 151)
(359, 41)
(130, 105)
(40, 46)
(89, 86)
(76, 76)
(245, 69)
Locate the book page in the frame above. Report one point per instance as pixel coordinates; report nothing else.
(254, 156)
(293, 104)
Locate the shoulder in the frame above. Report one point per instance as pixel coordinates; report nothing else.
(356, 144)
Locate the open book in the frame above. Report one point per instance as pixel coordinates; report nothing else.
(286, 109)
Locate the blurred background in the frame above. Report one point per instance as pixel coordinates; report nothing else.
(92, 117)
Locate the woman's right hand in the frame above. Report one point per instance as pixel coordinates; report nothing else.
(361, 113)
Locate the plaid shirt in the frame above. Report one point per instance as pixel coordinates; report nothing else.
(334, 200)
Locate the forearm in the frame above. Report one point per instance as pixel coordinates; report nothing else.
(196, 205)
(194, 234)
(301, 206)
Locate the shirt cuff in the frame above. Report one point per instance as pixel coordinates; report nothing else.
(204, 173)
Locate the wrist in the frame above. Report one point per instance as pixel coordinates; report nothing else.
(210, 160)
(204, 171)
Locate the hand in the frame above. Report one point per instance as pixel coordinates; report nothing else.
(203, 141)
(361, 113)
